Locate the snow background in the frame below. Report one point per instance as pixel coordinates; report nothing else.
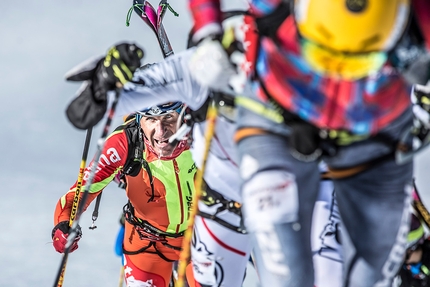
(40, 151)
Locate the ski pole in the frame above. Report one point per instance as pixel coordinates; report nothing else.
(121, 277)
(186, 242)
(419, 207)
(76, 197)
(73, 229)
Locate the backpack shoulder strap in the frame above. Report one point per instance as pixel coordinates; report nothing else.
(136, 146)
(268, 25)
(135, 149)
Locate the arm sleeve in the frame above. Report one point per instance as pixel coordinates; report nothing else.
(111, 162)
(207, 18)
(168, 80)
(207, 15)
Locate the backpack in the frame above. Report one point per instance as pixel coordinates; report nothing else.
(136, 146)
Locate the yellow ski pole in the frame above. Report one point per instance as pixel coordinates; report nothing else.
(121, 277)
(419, 206)
(186, 242)
(76, 197)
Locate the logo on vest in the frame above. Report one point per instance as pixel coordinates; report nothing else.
(193, 167)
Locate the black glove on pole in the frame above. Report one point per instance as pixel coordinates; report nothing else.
(90, 105)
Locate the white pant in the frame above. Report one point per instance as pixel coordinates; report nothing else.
(219, 255)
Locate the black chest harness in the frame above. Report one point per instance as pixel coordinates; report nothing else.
(148, 232)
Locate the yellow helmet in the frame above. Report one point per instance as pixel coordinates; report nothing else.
(352, 26)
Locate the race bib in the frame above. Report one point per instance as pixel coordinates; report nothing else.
(270, 198)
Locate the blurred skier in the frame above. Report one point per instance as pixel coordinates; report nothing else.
(325, 85)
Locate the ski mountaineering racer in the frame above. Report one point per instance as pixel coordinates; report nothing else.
(159, 190)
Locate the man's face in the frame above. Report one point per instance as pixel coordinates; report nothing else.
(158, 129)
